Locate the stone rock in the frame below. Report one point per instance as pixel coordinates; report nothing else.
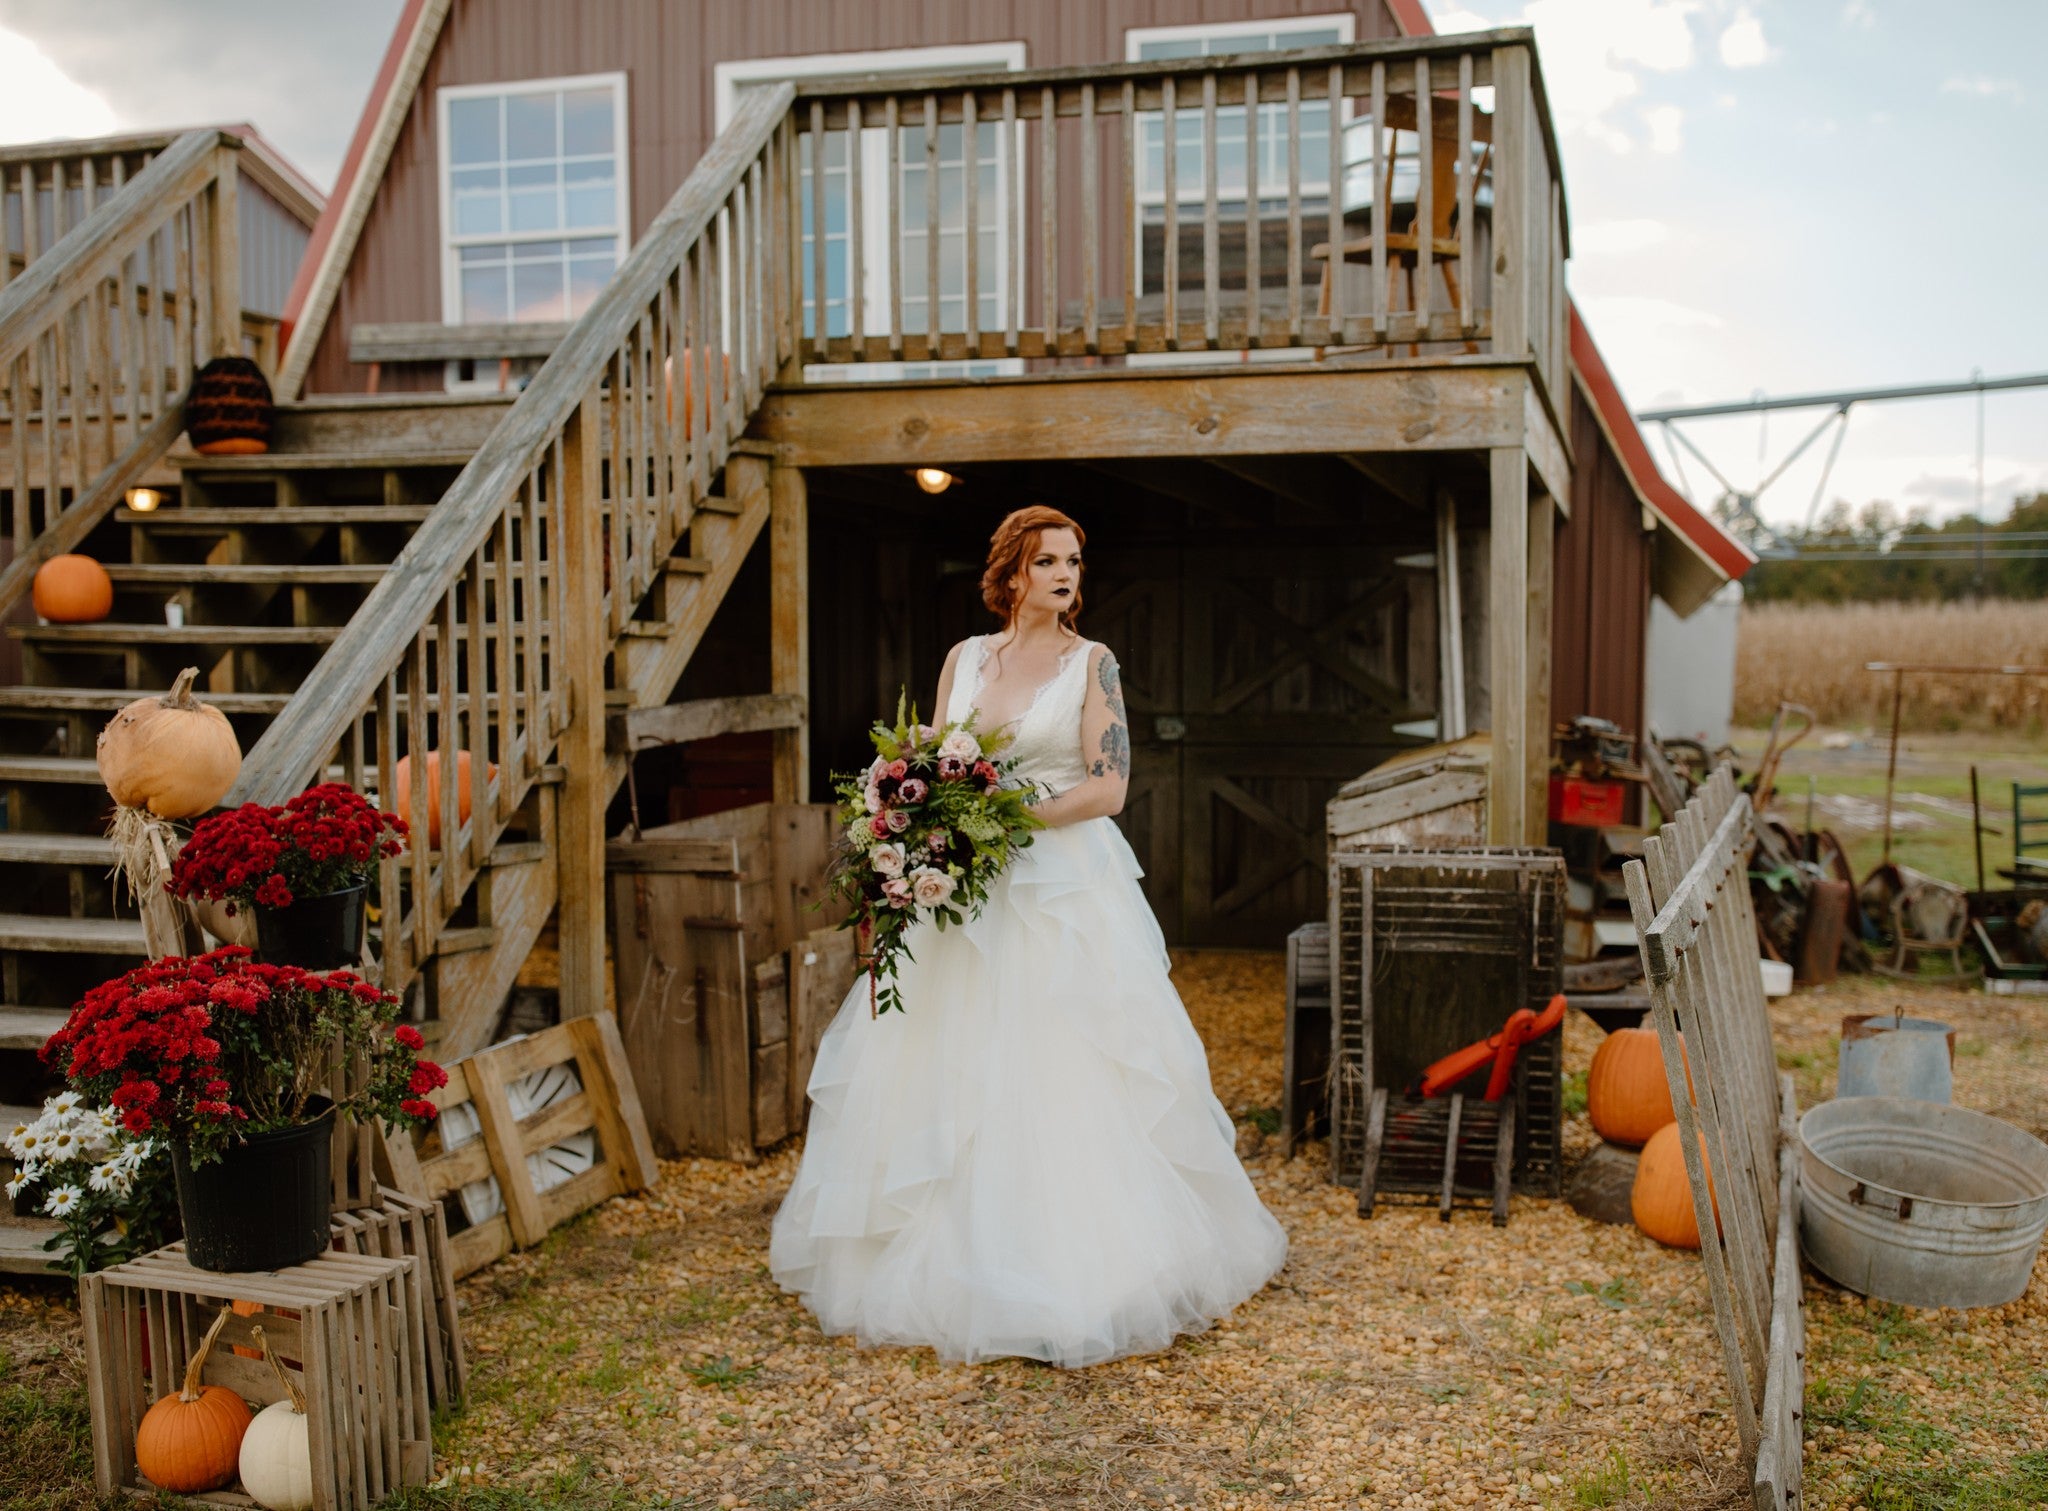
(1599, 1185)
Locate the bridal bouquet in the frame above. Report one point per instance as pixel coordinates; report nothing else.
(929, 825)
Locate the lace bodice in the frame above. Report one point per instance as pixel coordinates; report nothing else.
(1047, 748)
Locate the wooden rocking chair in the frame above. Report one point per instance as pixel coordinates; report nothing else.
(1404, 247)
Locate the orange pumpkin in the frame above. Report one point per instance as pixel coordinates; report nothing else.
(192, 1441)
(402, 791)
(1627, 1095)
(72, 590)
(1661, 1200)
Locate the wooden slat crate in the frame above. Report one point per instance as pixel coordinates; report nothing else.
(400, 1225)
(1431, 950)
(608, 1104)
(351, 1325)
(1305, 1053)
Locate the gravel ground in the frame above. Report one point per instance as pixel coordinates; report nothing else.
(644, 1357)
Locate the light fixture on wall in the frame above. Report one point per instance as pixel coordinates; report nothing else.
(144, 500)
(934, 479)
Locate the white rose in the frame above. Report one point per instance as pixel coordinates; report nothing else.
(872, 798)
(887, 859)
(931, 888)
(961, 745)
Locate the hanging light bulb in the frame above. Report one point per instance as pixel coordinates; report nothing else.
(934, 479)
(144, 500)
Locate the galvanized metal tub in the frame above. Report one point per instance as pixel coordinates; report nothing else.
(1921, 1203)
(1891, 1055)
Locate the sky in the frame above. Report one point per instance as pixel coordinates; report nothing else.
(1776, 196)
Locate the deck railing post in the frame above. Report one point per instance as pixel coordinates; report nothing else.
(579, 815)
(1511, 204)
(789, 646)
(225, 219)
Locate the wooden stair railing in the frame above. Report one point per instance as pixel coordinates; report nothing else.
(99, 338)
(490, 634)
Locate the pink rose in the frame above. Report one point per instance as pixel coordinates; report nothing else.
(938, 839)
(913, 790)
(899, 769)
(897, 890)
(887, 859)
(930, 887)
(962, 745)
(988, 774)
(895, 821)
(951, 768)
(872, 799)
(879, 825)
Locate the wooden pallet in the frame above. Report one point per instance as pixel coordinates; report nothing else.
(401, 1225)
(351, 1325)
(608, 1104)
(1458, 1150)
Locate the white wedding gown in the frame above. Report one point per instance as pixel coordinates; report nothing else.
(1029, 1159)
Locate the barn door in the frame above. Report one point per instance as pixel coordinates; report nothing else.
(1292, 670)
(1132, 605)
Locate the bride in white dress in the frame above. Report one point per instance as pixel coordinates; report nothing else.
(1028, 1161)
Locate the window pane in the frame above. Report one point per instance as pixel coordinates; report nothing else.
(1179, 47)
(530, 125)
(1324, 36)
(591, 206)
(586, 122)
(483, 295)
(537, 291)
(473, 130)
(587, 278)
(479, 206)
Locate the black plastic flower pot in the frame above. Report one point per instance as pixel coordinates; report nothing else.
(323, 933)
(264, 1204)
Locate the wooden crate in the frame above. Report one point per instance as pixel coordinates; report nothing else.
(1431, 950)
(1305, 1052)
(608, 1104)
(351, 1325)
(724, 979)
(1435, 796)
(398, 1225)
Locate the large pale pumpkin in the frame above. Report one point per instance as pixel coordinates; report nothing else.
(1627, 1097)
(72, 590)
(402, 791)
(192, 1441)
(173, 755)
(1661, 1201)
(277, 1452)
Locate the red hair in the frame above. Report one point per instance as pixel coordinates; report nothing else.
(1015, 542)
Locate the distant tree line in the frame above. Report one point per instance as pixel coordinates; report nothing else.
(1904, 574)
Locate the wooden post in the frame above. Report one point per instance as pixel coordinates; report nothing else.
(1511, 207)
(226, 262)
(789, 632)
(1507, 620)
(579, 815)
(1450, 622)
(1536, 650)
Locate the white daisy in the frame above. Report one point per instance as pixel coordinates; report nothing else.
(64, 1144)
(26, 1144)
(16, 1148)
(108, 1175)
(63, 1201)
(64, 1103)
(24, 1177)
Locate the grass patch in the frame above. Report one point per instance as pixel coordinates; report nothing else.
(1265, 1119)
(1614, 1293)
(1574, 1093)
(723, 1373)
(1606, 1486)
(1955, 1487)
(580, 1486)
(48, 1433)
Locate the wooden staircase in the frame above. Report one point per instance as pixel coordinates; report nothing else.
(355, 596)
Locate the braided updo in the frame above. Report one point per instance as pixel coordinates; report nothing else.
(1010, 550)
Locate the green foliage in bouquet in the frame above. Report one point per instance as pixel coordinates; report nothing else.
(930, 825)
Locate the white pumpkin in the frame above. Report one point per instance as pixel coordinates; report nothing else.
(277, 1459)
(277, 1453)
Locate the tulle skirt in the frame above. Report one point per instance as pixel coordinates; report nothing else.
(1029, 1160)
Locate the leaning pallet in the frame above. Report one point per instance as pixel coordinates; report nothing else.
(350, 1325)
(607, 1105)
(399, 1225)
(1430, 950)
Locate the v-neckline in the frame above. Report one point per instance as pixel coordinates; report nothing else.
(1037, 693)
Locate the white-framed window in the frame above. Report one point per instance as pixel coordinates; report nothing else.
(534, 209)
(1151, 43)
(994, 210)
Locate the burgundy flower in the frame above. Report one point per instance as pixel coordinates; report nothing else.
(879, 825)
(913, 790)
(951, 768)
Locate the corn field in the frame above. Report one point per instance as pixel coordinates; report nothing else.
(1815, 654)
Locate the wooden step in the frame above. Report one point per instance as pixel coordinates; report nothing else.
(213, 517)
(31, 848)
(718, 503)
(13, 1117)
(269, 463)
(27, 1028)
(21, 1247)
(459, 941)
(229, 636)
(244, 574)
(688, 566)
(72, 936)
(86, 700)
(79, 771)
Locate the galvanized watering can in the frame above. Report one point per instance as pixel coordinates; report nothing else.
(1888, 1055)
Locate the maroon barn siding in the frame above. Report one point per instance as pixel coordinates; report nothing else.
(668, 52)
(1600, 608)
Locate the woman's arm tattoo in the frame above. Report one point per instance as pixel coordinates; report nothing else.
(1116, 740)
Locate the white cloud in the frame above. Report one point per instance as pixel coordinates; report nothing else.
(1455, 19)
(1618, 238)
(1594, 53)
(1641, 314)
(1983, 88)
(41, 101)
(1859, 14)
(1665, 123)
(1743, 44)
